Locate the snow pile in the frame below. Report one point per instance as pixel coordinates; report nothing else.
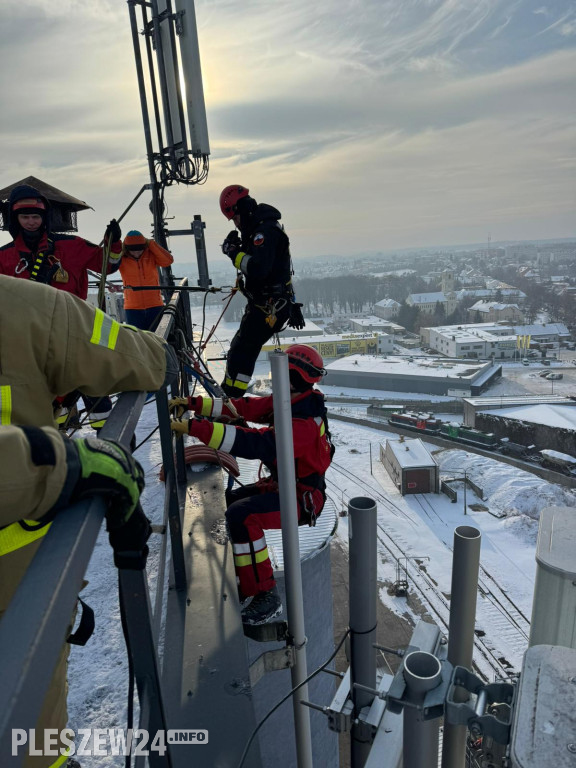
(513, 492)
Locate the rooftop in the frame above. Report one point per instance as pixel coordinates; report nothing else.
(411, 453)
(405, 366)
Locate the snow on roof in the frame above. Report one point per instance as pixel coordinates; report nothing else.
(486, 306)
(400, 365)
(387, 303)
(562, 416)
(485, 330)
(373, 320)
(427, 298)
(462, 294)
(411, 453)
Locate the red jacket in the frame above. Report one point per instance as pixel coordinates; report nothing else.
(143, 271)
(75, 255)
(312, 446)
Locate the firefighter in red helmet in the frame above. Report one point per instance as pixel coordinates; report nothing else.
(256, 507)
(261, 254)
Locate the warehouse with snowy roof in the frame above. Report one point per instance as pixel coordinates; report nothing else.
(433, 376)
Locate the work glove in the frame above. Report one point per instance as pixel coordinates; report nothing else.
(113, 232)
(109, 469)
(231, 245)
(296, 318)
(199, 427)
(179, 405)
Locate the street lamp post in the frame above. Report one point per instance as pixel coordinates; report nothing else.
(465, 480)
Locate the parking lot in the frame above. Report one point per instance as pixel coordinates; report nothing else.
(527, 377)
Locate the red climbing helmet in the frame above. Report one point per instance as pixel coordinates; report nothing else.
(306, 361)
(229, 198)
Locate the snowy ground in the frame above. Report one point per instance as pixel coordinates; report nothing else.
(98, 672)
(422, 527)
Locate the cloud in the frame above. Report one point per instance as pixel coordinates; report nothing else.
(364, 121)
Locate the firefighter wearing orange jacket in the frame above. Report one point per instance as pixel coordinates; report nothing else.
(256, 507)
(139, 267)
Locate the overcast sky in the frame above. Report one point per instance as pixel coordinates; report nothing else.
(371, 124)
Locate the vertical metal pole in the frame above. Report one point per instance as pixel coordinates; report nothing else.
(363, 621)
(422, 672)
(198, 229)
(291, 547)
(465, 484)
(464, 591)
(370, 445)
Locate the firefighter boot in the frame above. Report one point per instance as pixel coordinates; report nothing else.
(264, 606)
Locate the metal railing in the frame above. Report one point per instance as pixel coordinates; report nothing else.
(35, 625)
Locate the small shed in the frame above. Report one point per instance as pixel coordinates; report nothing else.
(410, 465)
(63, 207)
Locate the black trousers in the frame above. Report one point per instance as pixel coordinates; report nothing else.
(246, 345)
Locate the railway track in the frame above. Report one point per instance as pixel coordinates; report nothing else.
(505, 623)
(546, 473)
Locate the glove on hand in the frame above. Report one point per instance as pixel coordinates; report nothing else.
(231, 245)
(129, 541)
(113, 232)
(179, 405)
(296, 318)
(107, 468)
(179, 427)
(200, 428)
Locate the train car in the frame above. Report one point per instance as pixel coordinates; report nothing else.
(422, 422)
(508, 448)
(468, 435)
(562, 462)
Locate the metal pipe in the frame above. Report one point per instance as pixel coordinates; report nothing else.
(464, 590)
(362, 529)
(422, 672)
(291, 547)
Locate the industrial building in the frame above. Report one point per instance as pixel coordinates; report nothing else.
(374, 323)
(410, 465)
(310, 329)
(433, 376)
(338, 345)
(489, 340)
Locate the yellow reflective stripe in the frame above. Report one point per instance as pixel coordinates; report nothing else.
(218, 431)
(5, 404)
(62, 760)
(244, 560)
(105, 330)
(238, 383)
(97, 424)
(238, 259)
(206, 409)
(14, 537)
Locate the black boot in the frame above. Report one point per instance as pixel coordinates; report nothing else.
(264, 606)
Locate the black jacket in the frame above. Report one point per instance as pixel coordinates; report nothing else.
(266, 263)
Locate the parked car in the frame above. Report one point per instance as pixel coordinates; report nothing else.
(543, 373)
(555, 376)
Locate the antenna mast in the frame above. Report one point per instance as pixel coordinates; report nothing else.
(171, 98)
